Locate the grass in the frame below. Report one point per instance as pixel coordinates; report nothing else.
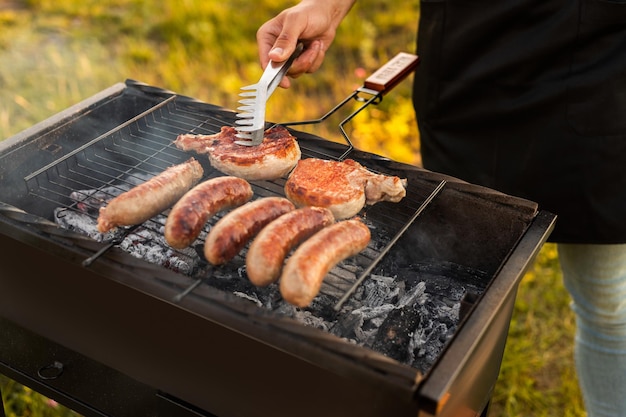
(56, 53)
(21, 401)
(537, 377)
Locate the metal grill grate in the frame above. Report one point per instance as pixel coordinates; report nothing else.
(81, 181)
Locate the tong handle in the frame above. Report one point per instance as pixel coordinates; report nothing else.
(390, 74)
(282, 68)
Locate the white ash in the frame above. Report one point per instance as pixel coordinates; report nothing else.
(377, 294)
(253, 297)
(145, 242)
(381, 298)
(150, 245)
(81, 223)
(430, 300)
(306, 317)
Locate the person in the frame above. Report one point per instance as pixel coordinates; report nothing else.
(527, 97)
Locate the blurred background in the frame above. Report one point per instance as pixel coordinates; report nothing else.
(55, 53)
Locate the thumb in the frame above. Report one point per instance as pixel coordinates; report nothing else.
(282, 49)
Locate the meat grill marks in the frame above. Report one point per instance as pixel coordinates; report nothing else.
(237, 228)
(265, 262)
(157, 131)
(233, 231)
(275, 157)
(343, 187)
(150, 198)
(267, 253)
(269, 187)
(191, 212)
(306, 269)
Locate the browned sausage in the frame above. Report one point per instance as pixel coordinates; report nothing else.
(231, 233)
(268, 250)
(305, 270)
(148, 199)
(191, 212)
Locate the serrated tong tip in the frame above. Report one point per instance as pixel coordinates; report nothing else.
(251, 117)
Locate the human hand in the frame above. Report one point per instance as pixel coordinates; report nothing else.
(312, 22)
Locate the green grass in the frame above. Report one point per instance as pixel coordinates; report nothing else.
(56, 53)
(53, 54)
(537, 377)
(21, 401)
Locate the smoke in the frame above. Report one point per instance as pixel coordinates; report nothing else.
(45, 71)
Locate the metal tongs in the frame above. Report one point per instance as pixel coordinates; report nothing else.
(252, 113)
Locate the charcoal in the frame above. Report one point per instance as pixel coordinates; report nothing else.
(323, 306)
(408, 315)
(90, 201)
(380, 290)
(362, 324)
(261, 295)
(250, 297)
(396, 331)
(303, 316)
(80, 223)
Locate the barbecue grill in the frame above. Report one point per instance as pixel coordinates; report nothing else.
(122, 325)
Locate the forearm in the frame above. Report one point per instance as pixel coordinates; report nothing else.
(337, 9)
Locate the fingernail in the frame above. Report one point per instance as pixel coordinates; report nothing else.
(277, 51)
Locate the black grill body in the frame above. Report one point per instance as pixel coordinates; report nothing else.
(108, 334)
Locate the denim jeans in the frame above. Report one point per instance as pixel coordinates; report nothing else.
(595, 276)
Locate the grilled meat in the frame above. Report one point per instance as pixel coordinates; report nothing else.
(231, 233)
(343, 187)
(148, 199)
(273, 158)
(268, 250)
(191, 212)
(305, 270)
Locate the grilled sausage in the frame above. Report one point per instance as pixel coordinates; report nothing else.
(231, 233)
(268, 250)
(305, 270)
(191, 212)
(148, 199)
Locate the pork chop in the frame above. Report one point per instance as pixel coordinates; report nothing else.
(273, 158)
(342, 187)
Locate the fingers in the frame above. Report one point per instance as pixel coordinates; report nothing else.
(312, 61)
(309, 61)
(267, 35)
(282, 48)
(312, 23)
(278, 37)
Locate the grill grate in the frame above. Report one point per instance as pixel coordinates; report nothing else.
(455, 271)
(81, 181)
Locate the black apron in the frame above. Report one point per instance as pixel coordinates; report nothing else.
(529, 97)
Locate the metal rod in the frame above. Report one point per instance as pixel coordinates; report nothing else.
(109, 245)
(187, 290)
(91, 142)
(375, 99)
(387, 248)
(92, 258)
